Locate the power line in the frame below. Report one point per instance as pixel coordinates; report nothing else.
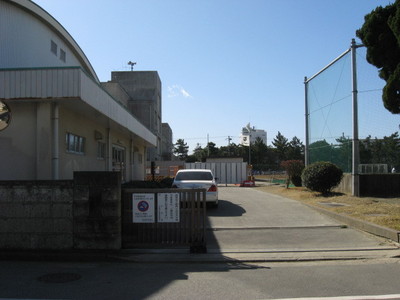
(210, 137)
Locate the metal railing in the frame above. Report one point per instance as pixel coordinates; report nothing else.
(188, 228)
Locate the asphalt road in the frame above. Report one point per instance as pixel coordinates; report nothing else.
(244, 281)
(250, 220)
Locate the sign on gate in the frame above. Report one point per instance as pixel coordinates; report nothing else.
(164, 217)
(168, 207)
(143, 208)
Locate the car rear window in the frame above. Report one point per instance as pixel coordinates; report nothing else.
(194, 176)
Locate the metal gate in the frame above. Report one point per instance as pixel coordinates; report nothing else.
(190, 230)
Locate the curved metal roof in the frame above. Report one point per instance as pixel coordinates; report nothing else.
(46, 18)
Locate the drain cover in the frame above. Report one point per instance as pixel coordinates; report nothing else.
(59, 277)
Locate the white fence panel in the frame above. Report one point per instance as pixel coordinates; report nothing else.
(227, 173)
(223, 174)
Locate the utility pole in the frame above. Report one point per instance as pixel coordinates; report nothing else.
(355, 148)
(208, 145)
(229, 140)
(229, 144)
(249, 149)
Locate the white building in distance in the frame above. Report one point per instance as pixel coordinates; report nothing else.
(250, 135)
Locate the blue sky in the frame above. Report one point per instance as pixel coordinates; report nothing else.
(222, 63)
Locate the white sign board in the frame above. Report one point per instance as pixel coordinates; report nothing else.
(168, 207)
(143, 208)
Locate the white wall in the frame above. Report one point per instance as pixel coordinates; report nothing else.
(79, 124)
(18, 143)
(26, 145)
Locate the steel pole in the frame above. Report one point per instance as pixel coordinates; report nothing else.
(306, 158)
(356, 153)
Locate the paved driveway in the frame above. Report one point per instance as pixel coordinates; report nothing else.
(248, 220)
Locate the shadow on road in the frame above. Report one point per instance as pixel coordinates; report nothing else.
(225, 209)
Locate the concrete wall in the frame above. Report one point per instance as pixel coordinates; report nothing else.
(117, 92)
(372, 185)
(97, 210)
(345, 185)
(380, 185)
(80, 214)
(144, 90)
(166, 142)
(36, 215)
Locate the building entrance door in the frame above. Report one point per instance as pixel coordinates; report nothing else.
(118, 161)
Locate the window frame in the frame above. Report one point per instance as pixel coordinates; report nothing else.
(63, 55)
(54, 48)
(75, 144)
(101, 150)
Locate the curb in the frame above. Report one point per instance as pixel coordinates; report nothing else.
(167, 256)
(369, 227)
(60, 255)
(263, 257)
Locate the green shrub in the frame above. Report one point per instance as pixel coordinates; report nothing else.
(293, 170)
(321, 177)
(296, 180)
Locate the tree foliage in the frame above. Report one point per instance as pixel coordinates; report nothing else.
(263, 157)
(384, 150)
(281, 146)
(259, 152)
(380, 33)
(381, 151)
(295, 149)
(181, 149)
(320, 151)
(293, 169)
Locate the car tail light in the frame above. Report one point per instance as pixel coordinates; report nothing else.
(212, 188)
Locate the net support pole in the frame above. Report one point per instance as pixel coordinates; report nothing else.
(306, 158)
(356, 154)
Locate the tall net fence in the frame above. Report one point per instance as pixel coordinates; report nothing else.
(330, 117)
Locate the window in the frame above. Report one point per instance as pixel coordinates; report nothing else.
(194, 176)
(54, 48)
(101, 150)
(118, 160)
(75, 143)
(63, 55)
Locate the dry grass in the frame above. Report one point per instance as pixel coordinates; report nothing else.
(382, 211)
